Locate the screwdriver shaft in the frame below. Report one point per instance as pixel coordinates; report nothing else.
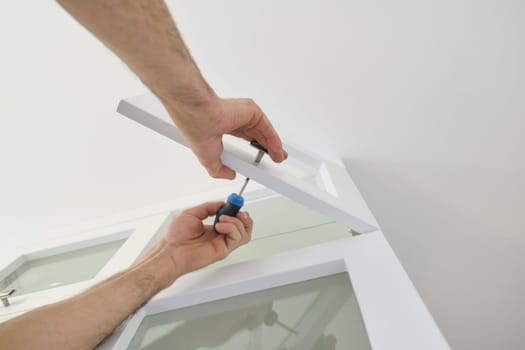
(258, 158)
(244, 186)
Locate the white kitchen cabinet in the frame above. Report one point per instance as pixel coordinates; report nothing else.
(316, 183)
(317, 263)
(324, 309)
(318, 273)
(50, 271)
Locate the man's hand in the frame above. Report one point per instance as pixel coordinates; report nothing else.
(193, 245)
(143, 34)
(204, 120)
(187, 245)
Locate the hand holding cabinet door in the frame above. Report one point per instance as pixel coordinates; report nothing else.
(205, 123)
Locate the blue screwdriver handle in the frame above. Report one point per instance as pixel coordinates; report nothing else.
(233, 204)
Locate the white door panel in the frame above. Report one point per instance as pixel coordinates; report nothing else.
(303, 177)
(54, 270)
(393, 314)
(294, 316)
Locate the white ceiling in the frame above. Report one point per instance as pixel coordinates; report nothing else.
(424, 102)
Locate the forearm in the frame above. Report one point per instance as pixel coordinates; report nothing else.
(143, 34)
(83, 321)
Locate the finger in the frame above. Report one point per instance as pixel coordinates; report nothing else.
(268, 136)
(238, 224)
(220, 246)
(247, 221)
(218, 170)
(251, 122)
(225, 173)
(230, 233)
(204, 210)
(271, 140)
(235, 221)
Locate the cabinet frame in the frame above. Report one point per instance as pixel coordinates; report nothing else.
(393, 313)
(138, 233)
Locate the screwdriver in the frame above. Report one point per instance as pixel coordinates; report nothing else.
(235, 201)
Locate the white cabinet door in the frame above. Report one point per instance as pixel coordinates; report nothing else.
(346, 294)
(310, 180)
(297, 262)
(51, 271)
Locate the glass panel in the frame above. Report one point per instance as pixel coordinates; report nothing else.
(281, 224)
(60, 269)
(320, 314)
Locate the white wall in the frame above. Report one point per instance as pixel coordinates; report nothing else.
(66, 155)
(424, 101)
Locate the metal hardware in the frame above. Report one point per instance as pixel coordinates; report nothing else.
(260, 154)
(259, 147)
(272, 318)
(244, 186)
(4, 296)
(258, 159)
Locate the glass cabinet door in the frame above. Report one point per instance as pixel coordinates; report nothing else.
(56, 269)
(319, 314)
(281, 224)
(60, 269)
(345, 294)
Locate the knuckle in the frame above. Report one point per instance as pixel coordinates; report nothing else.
(223, 253)
(213, 167)
(212, 172)
(252, 104)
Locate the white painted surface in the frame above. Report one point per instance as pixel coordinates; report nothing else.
(424, 101)
(137, 234)
(393, 313)
(312, 308)
(292, 179)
